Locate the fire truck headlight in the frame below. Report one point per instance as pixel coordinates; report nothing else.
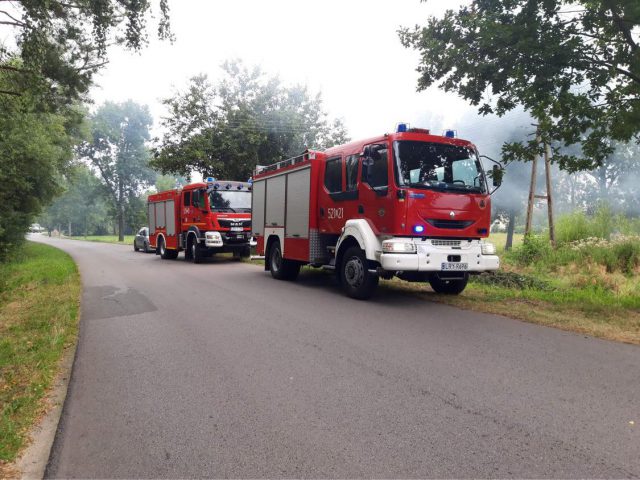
(488, 248)
(395, 246)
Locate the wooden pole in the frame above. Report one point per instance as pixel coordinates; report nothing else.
(547, 171)
(532, 192)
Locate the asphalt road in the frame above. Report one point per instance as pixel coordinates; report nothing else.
(217, 370)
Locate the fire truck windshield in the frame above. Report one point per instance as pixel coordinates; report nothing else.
(230, 200)
(438, 166)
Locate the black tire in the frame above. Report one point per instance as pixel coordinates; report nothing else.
(187, 250)
(135, 247)
(165, 253)
(355, 278)
(281, 269)
(146, 247)
(196, 255)
(448, 287)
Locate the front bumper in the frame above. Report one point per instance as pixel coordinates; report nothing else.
(431, 254)
(219, 239)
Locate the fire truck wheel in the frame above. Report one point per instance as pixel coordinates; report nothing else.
(196, 253)
(448, 287)
(165, 253)
(281, 269)
(355, 277)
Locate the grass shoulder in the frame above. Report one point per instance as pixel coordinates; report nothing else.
(39, 307)
(128, 239)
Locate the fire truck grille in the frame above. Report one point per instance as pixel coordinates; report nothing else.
(228, 223)
(450, 224)
(446, 243)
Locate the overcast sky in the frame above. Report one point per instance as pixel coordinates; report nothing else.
(348, 50)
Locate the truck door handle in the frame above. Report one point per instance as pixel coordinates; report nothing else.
(360, 209)
(322, 212)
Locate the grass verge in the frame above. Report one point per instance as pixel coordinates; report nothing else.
(39, 304)
(128, 239)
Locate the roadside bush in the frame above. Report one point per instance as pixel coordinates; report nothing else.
(534, 248)
(620, 254)
(602, 224)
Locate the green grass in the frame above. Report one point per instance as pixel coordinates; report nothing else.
(39, 300)
(128, 239)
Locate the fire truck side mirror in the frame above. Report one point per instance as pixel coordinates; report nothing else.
(496, 175)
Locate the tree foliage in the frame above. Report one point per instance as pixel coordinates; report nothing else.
(248, 118)
(82, 208)
(118, 151)
(60, 44)
(34, 149)
(573, 64)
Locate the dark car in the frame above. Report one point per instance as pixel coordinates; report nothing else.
(141, 242)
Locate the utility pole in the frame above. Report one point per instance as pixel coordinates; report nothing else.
(532, 191)
(548, 197)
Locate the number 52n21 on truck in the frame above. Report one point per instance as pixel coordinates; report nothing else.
(202, 219)
(407, 204)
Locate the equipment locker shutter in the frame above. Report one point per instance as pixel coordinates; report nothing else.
(298, 191)
(171, 218)
(275, 202)
(160, 217)
(152, 217)
(257, 207)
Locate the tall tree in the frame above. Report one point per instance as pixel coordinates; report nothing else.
(118, 151)
(247, 119)
(573, 64)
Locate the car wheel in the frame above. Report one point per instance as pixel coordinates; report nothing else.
(135, 246)
(355, 277)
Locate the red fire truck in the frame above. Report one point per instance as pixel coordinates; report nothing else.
(407, 204)
(202, 219)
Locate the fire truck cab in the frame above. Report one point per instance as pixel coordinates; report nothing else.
(407, 204)
(202, 219)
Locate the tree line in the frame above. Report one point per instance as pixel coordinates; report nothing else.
(572, 65)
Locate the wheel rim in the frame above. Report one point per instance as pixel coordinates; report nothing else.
(162, 248)
(276, 259)
(354, 272)
(193, 249)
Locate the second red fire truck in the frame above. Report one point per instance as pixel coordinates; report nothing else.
(202, 219)
(407, 204)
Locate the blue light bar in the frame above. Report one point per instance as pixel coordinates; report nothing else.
(450, 133)
(402, 127)
(418, 228)
(210, 179)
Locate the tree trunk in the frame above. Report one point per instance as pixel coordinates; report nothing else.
(120, 212)
(121, 222)
(510, 229)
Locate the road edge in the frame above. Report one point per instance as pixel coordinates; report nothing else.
(32, 463)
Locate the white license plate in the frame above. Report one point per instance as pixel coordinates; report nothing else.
(455, 266)
(236, 229)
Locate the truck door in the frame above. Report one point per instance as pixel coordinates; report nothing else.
(375, 199)
(332, 197)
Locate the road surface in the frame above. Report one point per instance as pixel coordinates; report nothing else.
(217, 370)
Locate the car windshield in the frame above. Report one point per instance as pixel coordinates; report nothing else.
(230, 200)
(438, 166)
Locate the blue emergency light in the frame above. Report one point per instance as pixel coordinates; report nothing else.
(450, 133)
(418, 228)
(210, 179)
(402, 127)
